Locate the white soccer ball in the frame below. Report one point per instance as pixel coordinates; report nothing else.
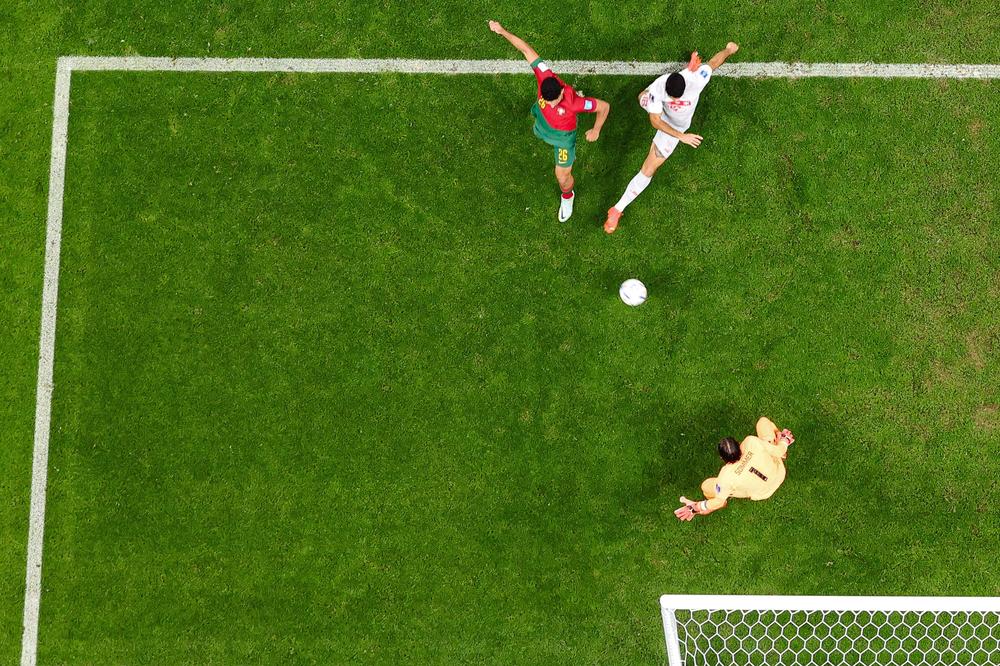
(632, 292)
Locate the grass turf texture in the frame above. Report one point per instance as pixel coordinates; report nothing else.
(855, 30)
(334, 385)
(32, 35)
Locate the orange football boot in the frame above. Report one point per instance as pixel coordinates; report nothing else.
(612, 222)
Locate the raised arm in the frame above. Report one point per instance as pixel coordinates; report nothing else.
(766, 430)
(529, 53)
(720, 57)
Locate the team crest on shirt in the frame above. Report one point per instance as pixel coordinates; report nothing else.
(561, 111)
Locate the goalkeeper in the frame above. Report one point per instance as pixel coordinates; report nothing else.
(754, 469)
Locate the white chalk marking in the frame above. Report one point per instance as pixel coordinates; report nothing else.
(793, 70)
(46, 357)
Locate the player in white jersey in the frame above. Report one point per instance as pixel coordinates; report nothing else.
(670, 102)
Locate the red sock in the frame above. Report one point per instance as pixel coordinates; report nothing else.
(568, 194)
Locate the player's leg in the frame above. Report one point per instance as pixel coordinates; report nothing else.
(564, 176)
(565, 156)
(663, 145)
(708, 487)
(654, 160)
(716, 61)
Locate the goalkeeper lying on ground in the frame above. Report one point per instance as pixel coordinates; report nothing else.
(754, 469)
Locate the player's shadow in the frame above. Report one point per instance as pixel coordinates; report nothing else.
(688, 437)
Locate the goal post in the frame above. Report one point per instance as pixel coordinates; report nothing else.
(709, 630)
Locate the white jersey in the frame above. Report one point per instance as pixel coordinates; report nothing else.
(679, 112)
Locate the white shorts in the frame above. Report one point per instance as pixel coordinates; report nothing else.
(665, 143)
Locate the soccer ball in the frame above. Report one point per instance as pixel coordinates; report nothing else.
(632, 292)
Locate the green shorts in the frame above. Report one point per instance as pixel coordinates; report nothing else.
(565, 155)
(563, 143)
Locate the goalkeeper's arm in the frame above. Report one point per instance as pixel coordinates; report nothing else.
(779, 440)
(691, 509)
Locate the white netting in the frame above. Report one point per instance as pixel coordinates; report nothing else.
(834, 638)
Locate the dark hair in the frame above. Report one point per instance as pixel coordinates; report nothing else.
(551, 89)
(729, 449)
(675, 85)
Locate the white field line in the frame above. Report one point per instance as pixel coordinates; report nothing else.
(46, 354)
(57, 177)
(407, 66)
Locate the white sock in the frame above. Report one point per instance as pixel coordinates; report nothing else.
(634, 189)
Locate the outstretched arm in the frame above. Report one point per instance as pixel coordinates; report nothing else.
(702, 508)
(529, 53)
(715, 499)
(720, 57)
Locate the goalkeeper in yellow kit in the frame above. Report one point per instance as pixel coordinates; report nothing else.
(754, 469)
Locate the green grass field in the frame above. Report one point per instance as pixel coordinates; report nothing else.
(334, 386)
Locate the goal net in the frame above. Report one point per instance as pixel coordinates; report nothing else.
(830, 631)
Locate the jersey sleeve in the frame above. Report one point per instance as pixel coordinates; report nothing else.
(776, 449)
(779, 449)
(702, 76)
(584, 105)
(724, 485)
(766, 429)
(542, 70)
(652, 98)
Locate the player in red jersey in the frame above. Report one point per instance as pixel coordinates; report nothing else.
(555, 117)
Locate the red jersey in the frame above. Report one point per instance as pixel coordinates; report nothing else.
(562, 116)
